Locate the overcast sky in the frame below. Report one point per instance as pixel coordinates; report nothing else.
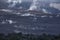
(39, 0)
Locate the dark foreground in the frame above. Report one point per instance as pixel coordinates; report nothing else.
(20, 36)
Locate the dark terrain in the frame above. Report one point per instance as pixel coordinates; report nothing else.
(37, 24)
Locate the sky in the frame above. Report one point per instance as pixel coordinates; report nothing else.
(31, 0)
(20, 1)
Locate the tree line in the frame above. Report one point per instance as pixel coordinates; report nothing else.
(20, 36)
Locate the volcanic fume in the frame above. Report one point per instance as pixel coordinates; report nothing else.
(34, 5)
(12, 3)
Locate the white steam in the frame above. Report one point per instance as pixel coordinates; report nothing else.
(13, 2)
(55, 5)
(33, 6)
(44, 10)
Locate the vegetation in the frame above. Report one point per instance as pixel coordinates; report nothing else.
(20, 36)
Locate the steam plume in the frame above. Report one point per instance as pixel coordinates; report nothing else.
(13, 2)
(33, 6)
